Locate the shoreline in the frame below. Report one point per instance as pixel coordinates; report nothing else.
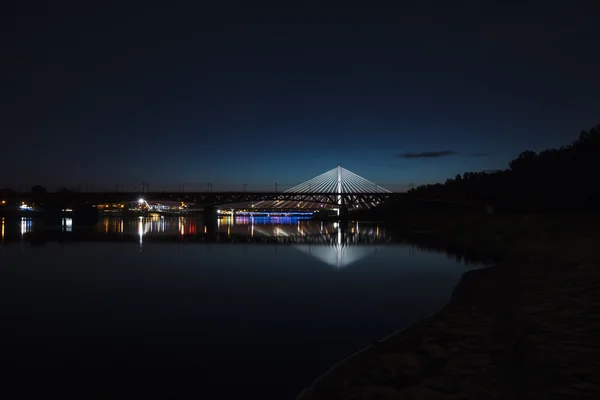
(309, 393)
(350, 358)
(514, 328)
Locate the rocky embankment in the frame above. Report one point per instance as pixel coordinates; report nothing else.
(511, 331)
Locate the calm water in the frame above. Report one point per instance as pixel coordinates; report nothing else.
(133, 316)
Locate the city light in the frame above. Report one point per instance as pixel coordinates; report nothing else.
(141, 201)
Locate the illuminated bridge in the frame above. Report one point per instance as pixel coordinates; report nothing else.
(337, 188)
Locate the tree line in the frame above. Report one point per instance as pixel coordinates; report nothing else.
(553, 180)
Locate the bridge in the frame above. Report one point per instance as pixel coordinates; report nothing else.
(337, 188)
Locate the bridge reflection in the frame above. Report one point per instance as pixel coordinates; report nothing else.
(333, 244)
(279, 229)
(337, 245)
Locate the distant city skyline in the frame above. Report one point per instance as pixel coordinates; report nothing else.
(237, 94)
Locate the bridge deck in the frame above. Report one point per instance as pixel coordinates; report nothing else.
(366, 199)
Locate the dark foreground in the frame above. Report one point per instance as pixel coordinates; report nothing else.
(516, 330)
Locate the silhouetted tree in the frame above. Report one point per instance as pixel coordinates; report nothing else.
(554, 180)
(525, 161)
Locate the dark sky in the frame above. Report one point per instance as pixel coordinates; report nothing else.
(109, 93)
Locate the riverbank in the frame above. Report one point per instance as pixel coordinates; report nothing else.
(567, 237)
(523, 328)
(515, 330)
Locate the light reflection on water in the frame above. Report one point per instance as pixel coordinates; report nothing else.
(26, 225)
(67, 224)
(338, 254)
(149, 225)
(290, 230)
(240, 226)
(209, 307)
(182, 226)
(341, 246)
(274, 226)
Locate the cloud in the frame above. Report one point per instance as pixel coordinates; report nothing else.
(428, 154)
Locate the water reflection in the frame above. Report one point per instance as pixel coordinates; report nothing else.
(141, 230)
(26, 225)
(338, 255)
(208, 307)
(344, 250)
(333, 244)
(238, 229)
(67, 224)
(154, 225)
(228, 227)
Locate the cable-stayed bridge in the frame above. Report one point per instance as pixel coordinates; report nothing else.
(336, 188)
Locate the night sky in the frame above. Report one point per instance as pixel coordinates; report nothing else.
(108, 93)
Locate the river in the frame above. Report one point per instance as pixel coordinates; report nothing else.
(148, 307)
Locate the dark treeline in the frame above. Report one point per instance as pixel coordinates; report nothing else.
(554, 180)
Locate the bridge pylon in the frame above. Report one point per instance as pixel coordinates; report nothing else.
(338, 183)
